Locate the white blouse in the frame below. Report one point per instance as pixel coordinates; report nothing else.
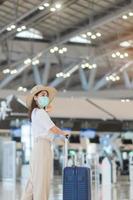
(41, 124)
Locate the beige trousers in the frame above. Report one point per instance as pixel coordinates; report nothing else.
(38, 185)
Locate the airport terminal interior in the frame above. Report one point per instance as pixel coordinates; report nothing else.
(84, 49)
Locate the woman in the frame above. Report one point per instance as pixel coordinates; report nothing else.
(43, 130)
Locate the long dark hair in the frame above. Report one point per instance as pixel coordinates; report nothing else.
(34, 105)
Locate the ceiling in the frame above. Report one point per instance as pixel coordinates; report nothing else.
(100, 63)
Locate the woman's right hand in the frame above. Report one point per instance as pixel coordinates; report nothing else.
(66, 134)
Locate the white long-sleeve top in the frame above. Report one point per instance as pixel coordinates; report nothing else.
(41, 124)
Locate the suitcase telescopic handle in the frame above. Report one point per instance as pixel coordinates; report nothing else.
(66, 153)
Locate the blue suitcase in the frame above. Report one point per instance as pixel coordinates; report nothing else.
(76, 183)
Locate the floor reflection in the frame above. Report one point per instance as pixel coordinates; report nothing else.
(120, 191)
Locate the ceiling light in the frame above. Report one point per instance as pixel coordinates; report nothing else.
(121, 56)
(23, 27)
(83, 66)
(86, 64)
(93, 37)
(89, 33)
(24, 89)
(13, 26)
(19, 29)
(107, 78)
(90, 67)
(55, 48)
(35, 62)
(126, 54)
(20, 88)
(64, 49)
(14, 71)
(52, 9)
(130, 14)
(41, 8)
(27, 61)
(68, 74)
(65, 76)
(60, 74)
(125, 44)
(117, 78)
(118, 53)
(58, 5)
(6, 71)
(8, 29)
(84, 35)
(122, 100)
(113, 79)
(57, 75)
(124, 16)
(98, 34)
(51, 50)
(46, 4)
(94, 65)
(113, 55)
(61, 51)
(127, 100)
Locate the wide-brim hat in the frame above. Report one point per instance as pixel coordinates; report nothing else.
(38, 88)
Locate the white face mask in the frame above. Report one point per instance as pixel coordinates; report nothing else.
(43, 101)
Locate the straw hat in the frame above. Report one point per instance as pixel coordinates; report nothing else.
(38, 88)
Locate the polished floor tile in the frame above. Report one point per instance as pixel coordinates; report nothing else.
(121, 191)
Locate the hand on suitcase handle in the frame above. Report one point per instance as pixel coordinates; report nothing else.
(67, 136)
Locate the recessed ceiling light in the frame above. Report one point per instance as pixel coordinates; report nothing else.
(84, 35)
(64, 49)
(122, 100)
(127, 100)
(52, 9)
(14, 71)
(19, 29)
(126, 54)
(41, 8)
(60, 51)
(113, 55)
(98, 34)
(35, 62)
(118, 53)
(27, 61)
(46, 4)
(23, 27)
(125, 44)
(94, 65)
(89, 33)
(6, 71)
(13, 26)
(117, 78)
(130, 14)
(51, 50)
(58, 5)
(56, 48)
(121, 56)
(8, 29)
(107, 78)
(93, 37)
(125, 17)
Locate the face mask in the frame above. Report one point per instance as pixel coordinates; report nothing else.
(43, 101)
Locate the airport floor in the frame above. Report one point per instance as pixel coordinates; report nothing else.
(121, 191)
